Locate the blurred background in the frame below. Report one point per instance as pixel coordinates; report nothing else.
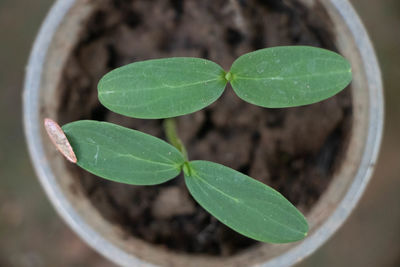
(32, 234)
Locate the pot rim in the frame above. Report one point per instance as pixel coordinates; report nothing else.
(32, 127)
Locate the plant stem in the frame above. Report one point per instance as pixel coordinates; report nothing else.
(172, 136)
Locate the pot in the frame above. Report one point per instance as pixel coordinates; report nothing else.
(56, 39)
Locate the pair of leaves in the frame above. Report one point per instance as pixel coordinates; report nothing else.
(273, 77)
(240, 202)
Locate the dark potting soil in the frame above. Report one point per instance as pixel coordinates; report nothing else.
(294, 150)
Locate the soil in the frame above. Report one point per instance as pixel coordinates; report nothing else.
(294, 150)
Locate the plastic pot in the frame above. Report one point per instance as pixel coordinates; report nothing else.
(54, 43)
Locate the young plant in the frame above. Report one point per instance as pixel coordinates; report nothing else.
(166, 88)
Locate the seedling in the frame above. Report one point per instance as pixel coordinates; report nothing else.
(166, 88)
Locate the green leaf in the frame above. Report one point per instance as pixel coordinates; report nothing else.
(244, 204)
(162, 88)
(289, 76)
(121, 154)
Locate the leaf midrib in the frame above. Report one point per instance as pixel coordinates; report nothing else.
(175, 165)
(127, 152)
(282, 78)
(147, 89)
